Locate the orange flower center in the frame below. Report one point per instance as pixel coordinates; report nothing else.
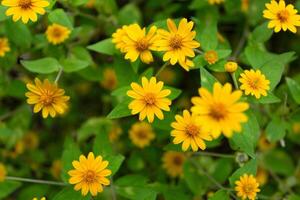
(254, 84)
(46, 99)
(177, 160)
(25, 4)
(150, 98)
(89, 176)
(141, 135)
(248, 189)
(176, 42)
(218, 111)
(283, 16)
(142, 45)
(192, 130)
(211, 57)
(57, 33)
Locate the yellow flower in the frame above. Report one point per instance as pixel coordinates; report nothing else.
(25, 9)
(173, 163)
(296, 127)
(35, 198)
(262, 176)
(254, 83)
(141, 134)
(31, 140)
(19, 148)
(47, 97)
(4, 46)
(109, 80)
(135, 42)
(245, 5)
(168, 76)
(178, 43)
(282, 16)
(231, 66)
(220, 111)
(149, 99)
(56, 169)
(89, 174)
(211, 57)
(114, 133)
(189, 131)
(57, 34)
(212, 2)
(247, 187)
(90, 3)
(264, 144)
(2, 172)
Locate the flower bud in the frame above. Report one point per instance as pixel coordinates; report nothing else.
(231, 66)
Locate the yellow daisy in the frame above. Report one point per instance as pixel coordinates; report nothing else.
(57, 34)
(282, 16)
(231, 66)
(247, 187)
(212, 2)
(173, 163)
(90, 3)
(89, 174)
(2, 172)
(262, 176)
(46, 97)
(211, 57)
(296, 127)
(35, 198)
(56, 169)
(189, 132)
(220, 111)
(114, 133)
(135, 42)
(149, 99)
(264, 144)
(4, 46)
(109, 80)
(25, 9)
(141, 134)
(178, 43)
(254, 83)
(31, 140)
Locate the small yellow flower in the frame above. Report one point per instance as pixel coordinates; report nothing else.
(296, 127)
(178, 44)
(109, 80)
(2, 172)
(25, 9)
(89, 174)
(247, 187)
(90, 3)
(35, 198)
(173, 163)
(264, 144)
(31, 140)
(57, 34)
(245, 5)
(189, 131)
(19, 148)
(4, 46)
(149, 99)
(141, 134)
(168, 76)
(211, 57)
(56, 169)
(262, 176)
(254, 83)
(231, 66)
(282, 16)
(46, 97)
(212, 2)
(114, 133)
(220, 111)
(134, 41)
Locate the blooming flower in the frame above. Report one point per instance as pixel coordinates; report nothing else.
(173, 163)
(178, 43)
(141, 134)
(4, 46)
(247, 187)
(220, 111)
(117, 38)
(212, 2)
(211, 57)
(57, 34)
(149, 99)
(109, 80)
(262, 176)
(231, 66)
(189, 132)
(254, 83)
(282, 16)
(25, 9)
(89, 174)
(46, 97)
(2, 172)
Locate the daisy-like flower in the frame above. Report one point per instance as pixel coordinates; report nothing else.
(212, 2)
(46, 97)
(282, 16)
(135, 42)
(149, 99)
(2, 172)
(178, 43)
(35, 198)
(57, 34)
(4, 46)
(173, 163)
(262, 176)
(189, 132)
(220, 111)
(25, 9)
(211, 57)
(141, 134)
(109, 80)
(254, 83)
(114, 133)
(247, 187)
(245, 5)
(90, 174)
(56, 169)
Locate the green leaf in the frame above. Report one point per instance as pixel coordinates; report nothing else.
(69, 193)
(18, 33)
(42, 66)
(58, 16)
(105, 46)
(174, 92)
(261, 33)
(270, 98)
(249, 168)
(207, 80)
(129, 14)
(8, 187)
(121, 110)
(3, 17)
(132, 180)
(115, 162)
(102, 145)
(275, 130)
(137, 192)
(294, 197)
(73, 64)
(294, 89)
(124, 71)
(222, 169)
(220, 195)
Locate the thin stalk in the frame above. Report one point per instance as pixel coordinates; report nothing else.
(236, 85)
(161, 69)
(198, 51)
(58, 75)
(28, 180)
(112, 188)
(241, 43)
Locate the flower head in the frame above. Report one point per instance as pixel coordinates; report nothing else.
(211, 57)
(114, 133)
(247, 187)
(173, 163)
(4, 46)
(89, 174)
(31, 140)
(57, 34)
(178, 43)
(245, 5)
(46, 97)
(135, 42)
(220, 111)
(189, 131)
(212, 2)
(35, 198)
(2, 172)
(264, 144)
(254, 83)
(282, 16)
(149, 99)
(25, 9)
(90, 3)
(262, 176)
(141, 134)
(109, 80)
(231, 66)
(56, 169)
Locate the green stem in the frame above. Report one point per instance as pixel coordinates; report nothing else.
(58, 75)
(236, 85)
(112, 188)
(28, 180)
(161, 69)
(198, 51)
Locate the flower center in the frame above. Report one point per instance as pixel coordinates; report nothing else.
(141, 135)
(211, 57)
(192, 130)
(46, 99)
(218, 111)
(254, 84)
(25, 4)
(176, 42)
(177, 161)
(57, 33)
(142, 45)
(89, 176)
(150, 99)
(283, 16)
(248, 189)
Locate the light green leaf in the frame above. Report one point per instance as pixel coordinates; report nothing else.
(102, 145)
(207, 80)
(294, 89)
(270, 98)
(73, 64)
(58, 16)
(249, 168)
(220, 195)
(137, 192)
(275, 129)
(8, 187)
(42, 66)
(115, 162)
(105, 46)
(129, 14)
(70, 193)
(18, 33)
(261, 33)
